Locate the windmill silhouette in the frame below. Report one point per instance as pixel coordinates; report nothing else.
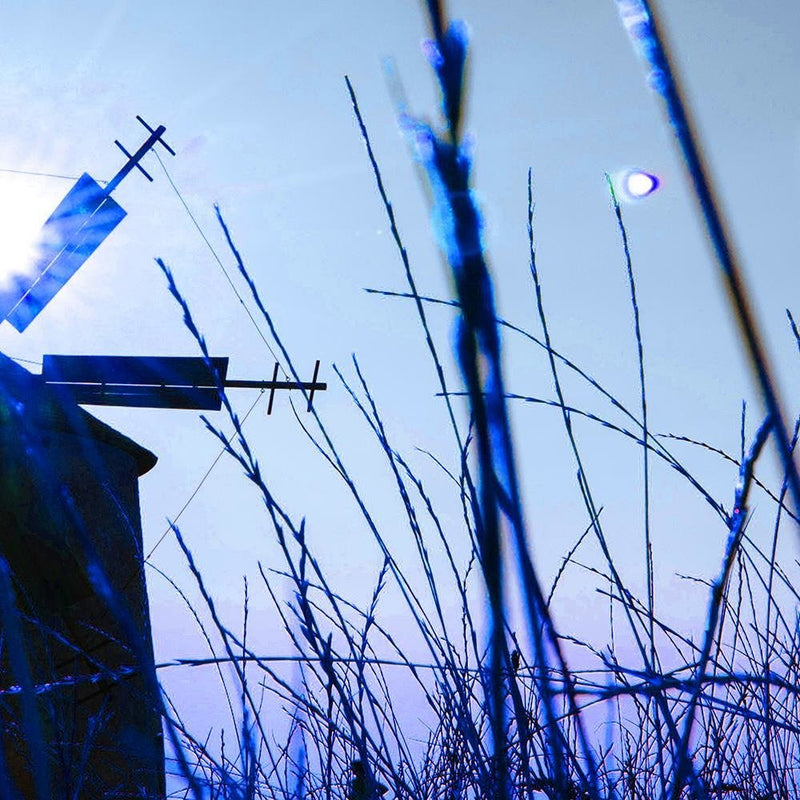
(70, 528)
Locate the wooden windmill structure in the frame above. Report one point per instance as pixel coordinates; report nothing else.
(80, 706)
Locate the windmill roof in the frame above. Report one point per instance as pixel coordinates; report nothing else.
(47, 408)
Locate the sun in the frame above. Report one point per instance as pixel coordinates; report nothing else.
(25, 203)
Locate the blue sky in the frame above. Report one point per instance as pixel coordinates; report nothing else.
(254, 101)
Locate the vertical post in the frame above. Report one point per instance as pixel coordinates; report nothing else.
(313, 385)
(272, 389)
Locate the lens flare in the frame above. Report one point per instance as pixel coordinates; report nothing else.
(637, 183)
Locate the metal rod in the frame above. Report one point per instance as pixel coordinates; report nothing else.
(314, 386)
(272, 391)
(137, 165)
(311, 387)
(160, 141)
(134, 160)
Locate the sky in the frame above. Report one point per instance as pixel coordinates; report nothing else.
(254, 101)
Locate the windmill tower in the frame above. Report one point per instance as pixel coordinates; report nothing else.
(80, 709)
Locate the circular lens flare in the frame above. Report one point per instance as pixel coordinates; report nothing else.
(637, 183)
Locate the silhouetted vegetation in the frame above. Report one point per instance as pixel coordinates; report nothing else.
(509, 716)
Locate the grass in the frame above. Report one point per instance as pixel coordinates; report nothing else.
(716, 718)
(509, 714)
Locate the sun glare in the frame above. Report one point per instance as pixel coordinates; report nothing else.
(24, 206)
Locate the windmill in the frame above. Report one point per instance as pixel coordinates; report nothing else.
(79, 225)
(69, 512)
